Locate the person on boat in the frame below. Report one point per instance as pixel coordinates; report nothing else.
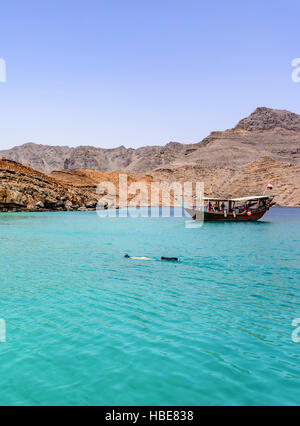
(169, 259)
(216, 208)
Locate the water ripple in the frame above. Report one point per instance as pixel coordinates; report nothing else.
(86, 326)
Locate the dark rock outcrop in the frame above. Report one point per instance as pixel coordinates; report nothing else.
(269, 119)
(25, 189)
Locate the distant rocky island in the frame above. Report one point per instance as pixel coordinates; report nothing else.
(263, 148)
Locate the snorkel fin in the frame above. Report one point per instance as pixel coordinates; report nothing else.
(170, 259)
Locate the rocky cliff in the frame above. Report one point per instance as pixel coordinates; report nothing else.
(265, 133)
(263, 148)
(264, 119)
(25, 189)
(49, 158)
(251, 179)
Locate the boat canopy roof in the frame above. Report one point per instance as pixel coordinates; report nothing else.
(215, 199)
(242, 199)
(260, 197)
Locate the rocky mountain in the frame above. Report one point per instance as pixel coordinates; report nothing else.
(265, 133)
(251, 179)
(263, 148)
(50, 158)
(25, 189)
(269, 119)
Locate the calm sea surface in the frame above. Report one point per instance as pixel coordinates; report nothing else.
(87, 326)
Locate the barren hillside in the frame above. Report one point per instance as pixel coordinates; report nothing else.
(265, 133)
(23, 188)
(263, 148)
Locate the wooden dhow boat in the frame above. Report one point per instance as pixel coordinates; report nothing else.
(245, 209)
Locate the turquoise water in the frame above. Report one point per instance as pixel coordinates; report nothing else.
(87, 327)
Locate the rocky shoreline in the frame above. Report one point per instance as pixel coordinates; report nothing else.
(25, 189)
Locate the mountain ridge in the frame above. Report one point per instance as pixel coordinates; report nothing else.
(265, 133)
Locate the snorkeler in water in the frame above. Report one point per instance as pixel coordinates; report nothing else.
(168, 259)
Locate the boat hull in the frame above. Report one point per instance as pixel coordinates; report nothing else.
(223, 217)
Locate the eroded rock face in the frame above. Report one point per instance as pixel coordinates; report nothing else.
(22, 188)
(25, 189)
(266, 132)
(268, 119)
(12, 198)
(249, 180)
(264, 145)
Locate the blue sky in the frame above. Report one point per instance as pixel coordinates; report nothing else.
(142, 72)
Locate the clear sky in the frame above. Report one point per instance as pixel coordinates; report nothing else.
(140, 72)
